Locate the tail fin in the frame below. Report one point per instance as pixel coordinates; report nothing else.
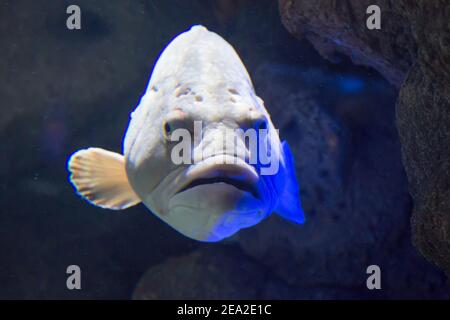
(99, 176)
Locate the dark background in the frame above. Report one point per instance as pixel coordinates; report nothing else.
(63, 90)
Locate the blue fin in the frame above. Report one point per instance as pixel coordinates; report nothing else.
(289, 205)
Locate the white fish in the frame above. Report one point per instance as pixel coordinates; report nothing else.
(198, 77)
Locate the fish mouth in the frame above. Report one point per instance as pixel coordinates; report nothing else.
(238, 184)
(238, 174)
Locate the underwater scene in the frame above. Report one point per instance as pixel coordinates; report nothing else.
(225, 149)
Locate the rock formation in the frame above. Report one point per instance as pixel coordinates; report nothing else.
(411, 50)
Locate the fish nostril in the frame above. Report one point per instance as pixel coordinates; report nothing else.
(233, 91)
(183, 92)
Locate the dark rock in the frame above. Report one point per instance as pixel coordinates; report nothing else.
(340, 27)
(353, 188)
(207, 274)
(225, 273)
(423, 117)
(413, 40)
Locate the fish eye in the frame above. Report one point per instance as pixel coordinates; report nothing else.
(172, 124)
(261, 124)
(167, 130)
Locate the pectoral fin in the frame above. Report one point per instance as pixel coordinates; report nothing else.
(289, 205)
(99, 176)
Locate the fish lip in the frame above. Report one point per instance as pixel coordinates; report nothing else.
(238, 174)
(241, 185)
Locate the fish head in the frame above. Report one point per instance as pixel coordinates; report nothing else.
(200, 174)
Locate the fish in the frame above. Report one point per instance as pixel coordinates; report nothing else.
(200, 88)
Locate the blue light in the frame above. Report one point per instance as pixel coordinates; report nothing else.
(350, 84)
